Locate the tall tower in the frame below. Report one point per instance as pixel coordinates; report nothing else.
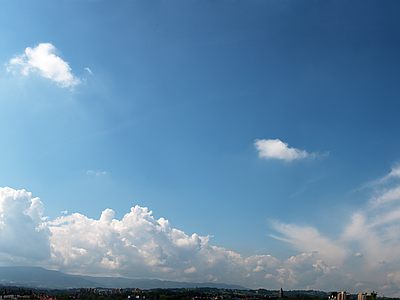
(281, 293)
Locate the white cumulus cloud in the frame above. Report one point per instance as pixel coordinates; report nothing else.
(276, 149)
(21, 224)
(43, 61)
(139, 245)
(190, 270)
(363, 253)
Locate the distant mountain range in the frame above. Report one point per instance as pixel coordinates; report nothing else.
(37, 277)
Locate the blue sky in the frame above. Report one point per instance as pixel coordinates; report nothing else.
(265, 132)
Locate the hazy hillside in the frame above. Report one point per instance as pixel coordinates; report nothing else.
(39, 277)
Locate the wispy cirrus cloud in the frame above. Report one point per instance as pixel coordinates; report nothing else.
(96, 173)
(42, 60)
(386, 188)
(366, 248)
(394, 173)
(310, 240)
(276, 149)
(89, 71)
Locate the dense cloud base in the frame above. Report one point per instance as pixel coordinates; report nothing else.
(141, 246)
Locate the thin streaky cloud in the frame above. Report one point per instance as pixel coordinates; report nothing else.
(96, 173)
(393, 174)
(386, 196)
(391, 191)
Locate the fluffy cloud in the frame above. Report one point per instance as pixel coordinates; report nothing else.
(21, 224)
(363, 255)
(138, 245)
(141, 246)
(190, 270)
(42, 60)
(276, 149)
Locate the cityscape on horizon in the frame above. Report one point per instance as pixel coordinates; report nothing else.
(187, 293)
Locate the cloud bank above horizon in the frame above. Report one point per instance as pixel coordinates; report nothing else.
(42, 60)
(365, 256)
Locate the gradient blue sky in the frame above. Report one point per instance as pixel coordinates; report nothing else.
(270, 126)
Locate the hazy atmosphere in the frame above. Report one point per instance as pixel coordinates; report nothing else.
(253, 142)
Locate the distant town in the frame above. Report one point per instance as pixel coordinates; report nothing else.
(14, 292)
